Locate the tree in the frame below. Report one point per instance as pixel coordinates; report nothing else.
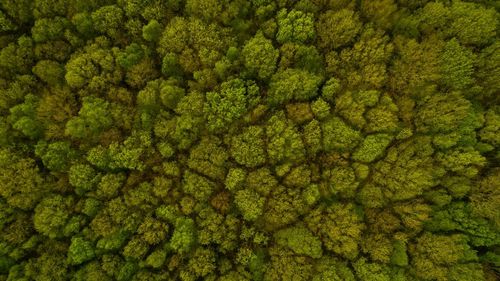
(339, 227)
(301, 57)
(83, 24)
(198, 186)
(56, 156)
(298, 177)
(439, 256)
(49, 71)
(292, 85)
(94, 67)
(238, 140)
(17, 57)
(453, 108)
(284, 265)
(184, 235)
(83, 177)
(337, 28)
(152, 31)
(285, 143)
(458, 216)
(20, 10)
(131, 56)
(472, 24)
(119, 156)
(370, 270)
(202, 262)
(399, 255)
(23, 117)
(248, 148)
(321, 109)
(108, 20)
(332, 269)
(209, 158)
(6, 24)
(312, 137)
(47, 29)
(457, 66)
(295, 26)
(284, 206)
(484, 195)
(235, 179)
(109, 185)
(417, 65)
(372, 147)
(488, 62)
(260, 56)
(261, 180)
(341, 181)
(207, 10)
(156, 259)
(300, 240)
(188, 124)
(411, 172)
(233, 100)
(51, 215)
(364, 66)
(249, 203)
(381, 12)
(22, 184)
(221, 230)
(80, 251)
(93, 118)
(337, 135)
(135, 248)
(384, 117)
(196, 44)
(352, 106)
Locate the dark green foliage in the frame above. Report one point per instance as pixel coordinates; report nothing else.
(236, 140)
(152, 31)
(131, 56)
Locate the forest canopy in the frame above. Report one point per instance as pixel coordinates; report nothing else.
(249, 140)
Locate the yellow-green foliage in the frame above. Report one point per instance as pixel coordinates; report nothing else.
(238, 140)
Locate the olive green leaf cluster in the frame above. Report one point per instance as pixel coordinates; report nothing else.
(249, 140)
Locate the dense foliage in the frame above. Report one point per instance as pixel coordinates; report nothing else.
(265, 140)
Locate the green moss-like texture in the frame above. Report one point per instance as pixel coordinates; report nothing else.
(259, 140)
